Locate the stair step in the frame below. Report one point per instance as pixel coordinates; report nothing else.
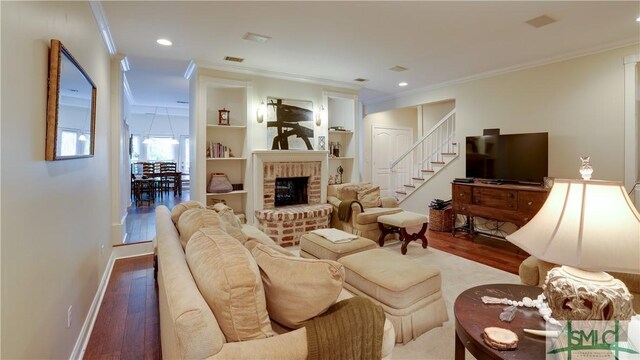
(409, 185)
(427, 171)
(448, 154)
(401, 192)
(418, 178)
(438, 162)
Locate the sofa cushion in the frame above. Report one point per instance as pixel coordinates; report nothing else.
(229, 221)
(194, 219)
(230, 282)
(370, 197)
(179, 209)
(297, 289)
(370, 215)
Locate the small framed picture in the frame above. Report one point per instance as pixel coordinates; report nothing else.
(223, 117)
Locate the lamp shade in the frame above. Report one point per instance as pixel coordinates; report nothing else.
(591, 225)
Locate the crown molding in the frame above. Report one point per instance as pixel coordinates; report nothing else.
(276, 75)
(491, 73)
(103, 26)
(127, 89)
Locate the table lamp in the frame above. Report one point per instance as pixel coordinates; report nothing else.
(588, 227)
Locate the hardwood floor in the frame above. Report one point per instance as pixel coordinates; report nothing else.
(127, 326)
(499, 254)
(141, 220)
(128, 323)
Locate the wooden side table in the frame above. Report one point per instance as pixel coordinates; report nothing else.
(472, 316)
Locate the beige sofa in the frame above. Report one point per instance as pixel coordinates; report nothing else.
(533, 271)
(188, 327)
(362, 223)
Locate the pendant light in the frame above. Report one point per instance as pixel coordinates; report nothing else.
(173, 136)
(147, 139)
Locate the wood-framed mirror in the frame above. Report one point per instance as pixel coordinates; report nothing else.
(71, 107)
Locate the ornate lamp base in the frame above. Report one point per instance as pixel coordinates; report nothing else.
(575, 294)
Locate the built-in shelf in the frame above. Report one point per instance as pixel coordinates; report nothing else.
(226, 126)
(235, 192)
(342, 158)
(229, 158)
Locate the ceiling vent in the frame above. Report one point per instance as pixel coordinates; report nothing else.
(256, 37)
(182, 102)
(398, 68)
(233, 59)
(540, 21)
(360, 80)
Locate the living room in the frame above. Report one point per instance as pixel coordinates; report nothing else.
(61, 219)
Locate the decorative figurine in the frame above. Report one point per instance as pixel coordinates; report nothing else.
(340, 171)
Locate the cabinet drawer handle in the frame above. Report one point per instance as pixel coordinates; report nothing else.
(530, 203)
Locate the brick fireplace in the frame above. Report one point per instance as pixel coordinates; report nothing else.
(286, 224)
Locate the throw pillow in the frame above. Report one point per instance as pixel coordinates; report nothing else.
(347, 192)
(230, 282)
(253, 242)
(179, 209)
(229, 221)
(194, 219)
(370, 197)
(297, 289)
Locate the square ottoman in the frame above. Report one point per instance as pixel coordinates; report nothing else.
(316, 247)
(408, 290)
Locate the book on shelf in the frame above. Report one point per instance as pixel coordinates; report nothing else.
(218, 150)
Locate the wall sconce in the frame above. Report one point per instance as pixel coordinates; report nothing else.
(319, 115)
(262, 110)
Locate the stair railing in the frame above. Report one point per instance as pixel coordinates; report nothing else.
(419, 160)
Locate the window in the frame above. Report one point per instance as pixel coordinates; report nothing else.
(161, 149)
(68, 143)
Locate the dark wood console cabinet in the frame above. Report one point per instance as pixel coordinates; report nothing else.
(516, 204)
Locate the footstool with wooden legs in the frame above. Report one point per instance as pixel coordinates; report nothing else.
(398, 223)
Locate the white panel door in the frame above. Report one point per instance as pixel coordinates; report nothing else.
(387, 145)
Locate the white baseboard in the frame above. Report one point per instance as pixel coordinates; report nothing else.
(119, 252)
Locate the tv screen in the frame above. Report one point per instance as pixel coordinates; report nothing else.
(514, 157)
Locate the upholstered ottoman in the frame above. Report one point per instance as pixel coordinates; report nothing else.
(316, 247)
(408, 290)
(398, 223)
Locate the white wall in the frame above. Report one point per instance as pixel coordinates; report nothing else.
(55, 214)
(434, 112)
(580, 102)
(401, 118)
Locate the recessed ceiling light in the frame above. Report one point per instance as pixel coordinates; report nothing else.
(638, 19)
(164, 42)
(404, 83)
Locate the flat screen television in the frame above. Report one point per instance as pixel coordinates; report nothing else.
(508, 158)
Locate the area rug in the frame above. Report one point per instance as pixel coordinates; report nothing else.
(458, 274)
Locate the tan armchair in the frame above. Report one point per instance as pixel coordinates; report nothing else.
(362, 223)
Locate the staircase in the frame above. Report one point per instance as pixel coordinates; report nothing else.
(424, 159)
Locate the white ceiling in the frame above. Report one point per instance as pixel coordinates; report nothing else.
(439, 42)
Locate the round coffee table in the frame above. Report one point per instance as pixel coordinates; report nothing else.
(472, 316)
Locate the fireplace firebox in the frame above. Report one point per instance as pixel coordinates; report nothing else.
(291, 191)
